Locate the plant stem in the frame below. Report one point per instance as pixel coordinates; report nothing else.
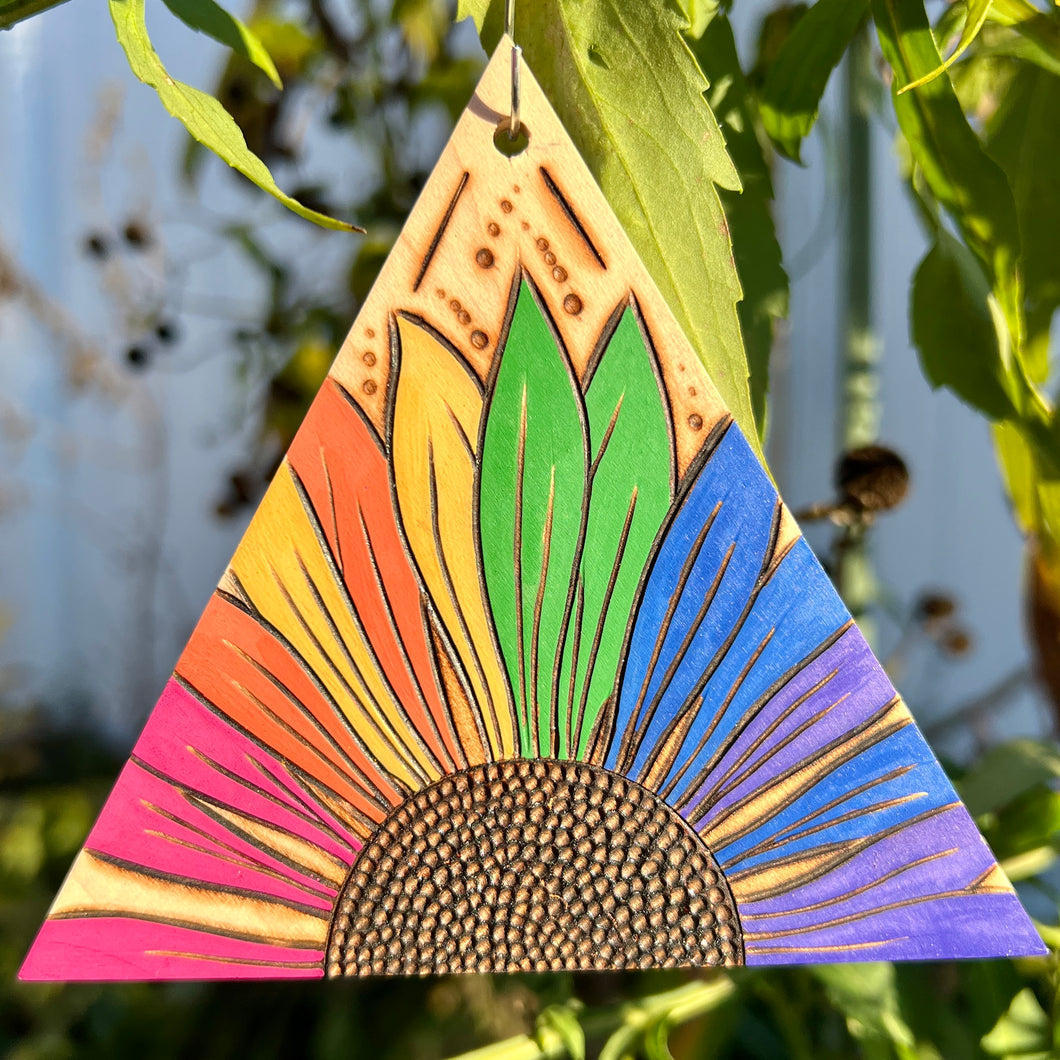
(859, 384)
(676, 1006)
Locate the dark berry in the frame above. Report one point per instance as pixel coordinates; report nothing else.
(137, 357)
(97, 246)
(167, 332)
(137, 235)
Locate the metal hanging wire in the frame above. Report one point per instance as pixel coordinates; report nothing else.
(514, 123)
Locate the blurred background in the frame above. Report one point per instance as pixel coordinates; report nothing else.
(162, 329)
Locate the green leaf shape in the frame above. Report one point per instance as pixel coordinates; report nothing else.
(1032, 484)
(1027, 825)
(754, 237)
(657, 1041)
(532, 489)
(206, 16)
(1025, 42)
(424, 24)
(631, 96)
(975, 15)
(201, 114)
(1022, 139)
(699, 13)
(12, 11)
(1037, 33)
(971, 187)
(797, 78)
(960, 333)
(558, 1025)
(867, 996)
(291, 49)
(965, 344)
(1024, 1031)
(630, 491)
(1006, 772)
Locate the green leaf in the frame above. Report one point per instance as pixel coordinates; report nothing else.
(1022, 138)
(201, 114)
(700, 14)
(1029, 822)
(1031, 863)
(1033, 488)
(424, 24)
(291, 49)
(796, 80)
(476, 9)
(960, 333)
(976, 192)
(1025, 1030)
(561, 1021)
(1020, 471)
(754, 238)
(12, 11)
(958, 171)
(975, 15)
(620, 1044)
(1019, 44)
(210, 18)
(292, 44)
(657, 1041)
(532, 490)
(1038, 33)
(630, 94)
(867, 996)
(628, 500)
(1007, 771)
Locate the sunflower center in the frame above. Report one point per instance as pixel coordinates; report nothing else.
(532, 865)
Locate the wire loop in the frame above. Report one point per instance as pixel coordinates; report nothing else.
(514, 123)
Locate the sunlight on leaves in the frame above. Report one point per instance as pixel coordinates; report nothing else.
(1007, 771)
(210, 18)
(960, 332)
(961, 176)
(661, 177)
(749, 212)
(201, 114)
(1024, 1031)
(797, 78)
(976, 12)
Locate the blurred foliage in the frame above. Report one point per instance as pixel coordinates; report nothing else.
(203, 115)
(974, 96)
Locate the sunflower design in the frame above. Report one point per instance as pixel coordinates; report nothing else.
(495, 688)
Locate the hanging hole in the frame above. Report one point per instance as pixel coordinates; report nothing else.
(508, 145)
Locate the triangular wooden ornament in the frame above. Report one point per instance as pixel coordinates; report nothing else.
(522, 664)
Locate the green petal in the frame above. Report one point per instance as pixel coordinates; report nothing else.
(532, 488)
(631, 488)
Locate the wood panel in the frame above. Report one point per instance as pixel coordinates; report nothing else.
(522, 663)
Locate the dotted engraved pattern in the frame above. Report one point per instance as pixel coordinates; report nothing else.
(533, 865)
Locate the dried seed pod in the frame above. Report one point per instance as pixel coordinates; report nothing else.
(956, 641)
(872, 478)
(933, 606)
